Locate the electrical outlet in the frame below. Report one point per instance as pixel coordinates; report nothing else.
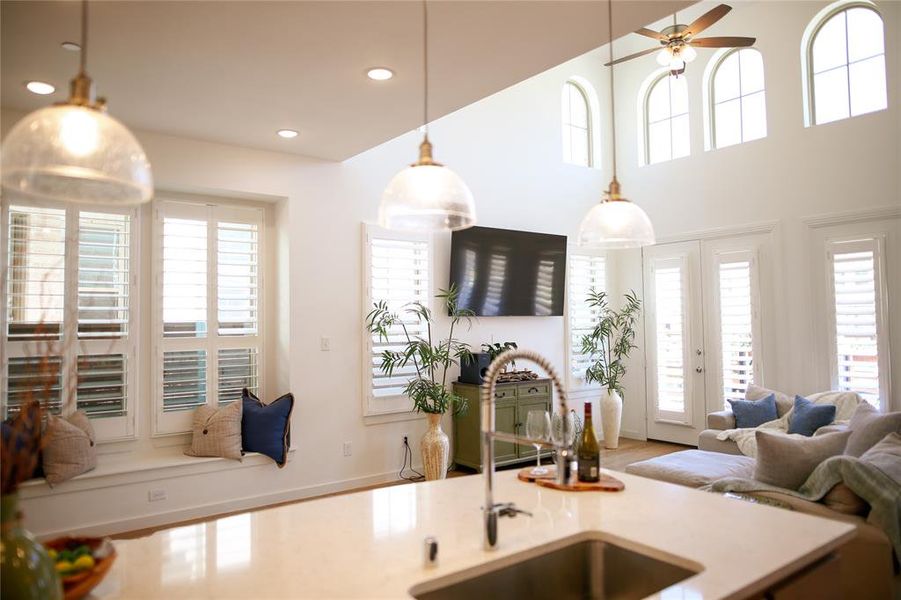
(348, 448)
(156, 495)
(325, 343)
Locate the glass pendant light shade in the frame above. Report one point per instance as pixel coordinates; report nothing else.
(617, 224)
(664, 57)
(427, 197)
(688, 53)
(76, 154)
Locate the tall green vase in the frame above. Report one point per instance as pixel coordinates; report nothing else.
(26, 570)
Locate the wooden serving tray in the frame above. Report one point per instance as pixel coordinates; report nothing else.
(527, 476)
(606, 484)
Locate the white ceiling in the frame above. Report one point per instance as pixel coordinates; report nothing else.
(235, 72)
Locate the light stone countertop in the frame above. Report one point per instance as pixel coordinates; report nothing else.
(370, 544)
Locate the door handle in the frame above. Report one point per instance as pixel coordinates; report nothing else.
(533, 390)
(698, 369)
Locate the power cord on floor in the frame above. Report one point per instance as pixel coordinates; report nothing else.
(408, 458)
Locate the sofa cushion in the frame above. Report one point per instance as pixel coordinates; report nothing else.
(753, 413)
(266, 428)
(721, 419)
(707, 440)
(217, 432)
(784, 402)
(787, 462)
(69, 448)
(869, 426)
(807, 417)
(693, 468)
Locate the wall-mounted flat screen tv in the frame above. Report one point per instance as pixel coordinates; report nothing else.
(499, 272)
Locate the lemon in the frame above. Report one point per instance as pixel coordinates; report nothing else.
(63, 566)
(83, 562)
(52, 554)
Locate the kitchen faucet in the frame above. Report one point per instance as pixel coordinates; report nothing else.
(564, 452)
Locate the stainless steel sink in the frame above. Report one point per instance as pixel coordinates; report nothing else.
(578, 568)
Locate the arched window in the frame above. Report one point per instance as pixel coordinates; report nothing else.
(845, 63)
(666, 119)
(738, 98)
(577, 125)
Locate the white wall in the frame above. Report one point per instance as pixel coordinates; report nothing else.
(506, 147)
(795, 172)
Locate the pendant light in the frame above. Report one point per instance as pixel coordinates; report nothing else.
(615, 223)
(74, 152)
(427, 196)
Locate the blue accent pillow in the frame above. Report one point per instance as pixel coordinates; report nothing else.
(753, 413)
(266, 428)
(807, 417)
(28, 437)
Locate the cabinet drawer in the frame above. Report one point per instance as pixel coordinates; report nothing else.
(505, 392)
(533, 389)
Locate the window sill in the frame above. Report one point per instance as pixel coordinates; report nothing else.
(395, 417)
(126, 468)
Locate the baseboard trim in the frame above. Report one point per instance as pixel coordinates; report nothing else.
(211, 510)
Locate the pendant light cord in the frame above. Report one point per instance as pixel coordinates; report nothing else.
(425, 66)
(612, 95)
(83, 58)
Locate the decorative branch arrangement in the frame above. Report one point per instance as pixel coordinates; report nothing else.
(611, 341)
(428, 388)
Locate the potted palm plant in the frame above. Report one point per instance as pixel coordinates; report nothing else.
(427, 389)
(608, 346)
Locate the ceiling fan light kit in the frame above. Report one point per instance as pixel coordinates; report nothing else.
(615, 223)
(427, 196)
(74, 152)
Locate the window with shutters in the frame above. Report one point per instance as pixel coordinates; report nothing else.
(736, 323)
(208, 268)
(68, 320)
(666, 119)
(587, 272)
(859, 361)
(397, 270)
(843, 54)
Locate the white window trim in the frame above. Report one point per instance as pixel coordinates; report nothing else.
(709, 97)
(576, 384)
(875, 243)
(107, 429)
(593, 106)
(179, 422)
(399, 407)
(807, 40)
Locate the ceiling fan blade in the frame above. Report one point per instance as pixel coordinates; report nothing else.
(707, 19)
(723, 42)
(631, 56)
(651, 34)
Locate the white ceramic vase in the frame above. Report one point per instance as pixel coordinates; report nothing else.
(611, 418)
(435, 448)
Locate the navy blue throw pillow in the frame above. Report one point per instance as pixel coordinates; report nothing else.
(753, 413)
(266, 428)
(28, 437)
(807, 417)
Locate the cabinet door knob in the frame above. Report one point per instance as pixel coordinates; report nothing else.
(698, 369)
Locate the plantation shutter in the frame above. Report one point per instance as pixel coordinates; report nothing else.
(209, 308)
(854, 270)
(670, 336)
(586, 273)
(34, 378)
(736, 328)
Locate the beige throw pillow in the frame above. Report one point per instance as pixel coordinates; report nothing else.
(217, 432)
(869, 426)
(787, 462)
(70, 448)
(784, 402)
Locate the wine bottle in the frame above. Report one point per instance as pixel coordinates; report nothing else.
(589, 451)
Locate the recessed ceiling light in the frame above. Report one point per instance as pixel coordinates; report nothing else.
(71, 46)
(380, 73)
(287, 133)
(40, 87)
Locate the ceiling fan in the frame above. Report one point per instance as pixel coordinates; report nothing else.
(679, 41)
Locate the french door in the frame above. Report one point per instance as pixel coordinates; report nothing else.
(702, 330)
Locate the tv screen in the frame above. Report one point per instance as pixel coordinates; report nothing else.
(499, 272)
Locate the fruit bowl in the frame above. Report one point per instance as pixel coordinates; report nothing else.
(78, 582)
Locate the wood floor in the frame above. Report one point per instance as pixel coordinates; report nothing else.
(629, 451)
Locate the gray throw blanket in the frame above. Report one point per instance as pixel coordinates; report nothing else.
(875, 477)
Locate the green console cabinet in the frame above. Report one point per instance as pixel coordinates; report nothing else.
(513, 401)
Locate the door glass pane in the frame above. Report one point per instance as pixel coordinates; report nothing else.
(868, 86)
(670, 340)
(831, 95)
(736, 329)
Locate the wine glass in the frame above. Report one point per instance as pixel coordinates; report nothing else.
(538, 427)
(563, 429)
